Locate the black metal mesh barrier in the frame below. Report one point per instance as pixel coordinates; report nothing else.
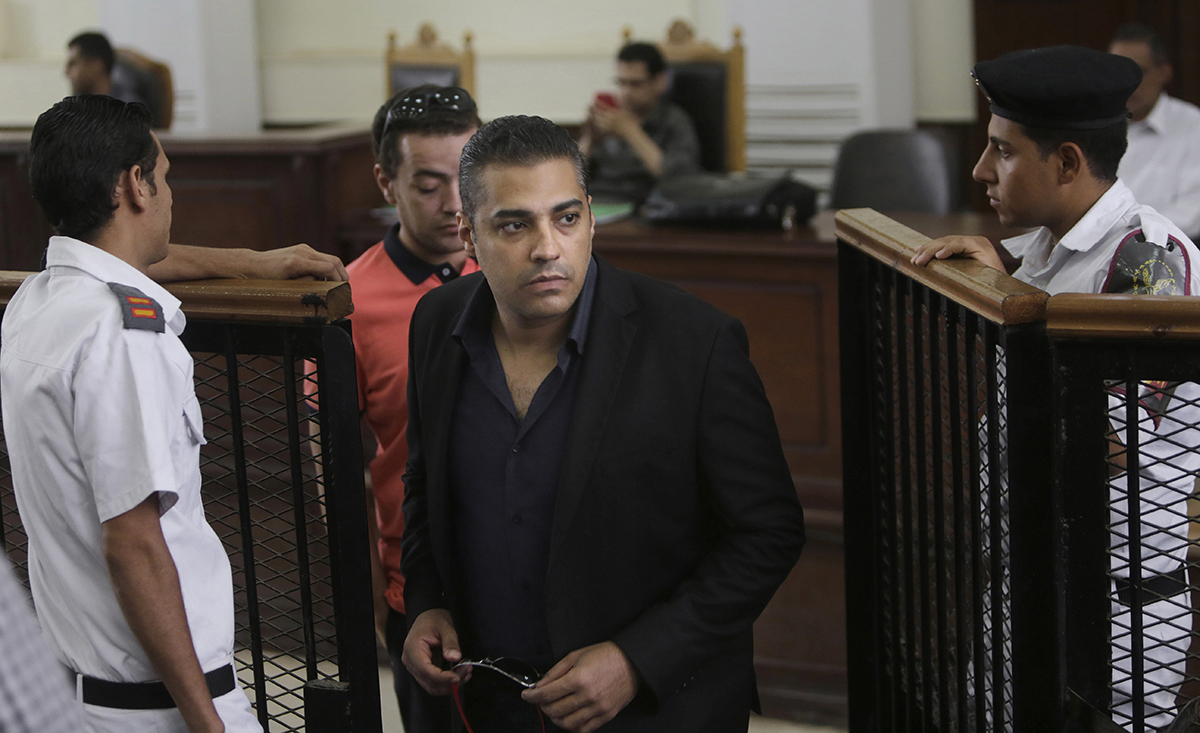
(929, 379)
(291, 512)
(1146, 445)
(1022, 523)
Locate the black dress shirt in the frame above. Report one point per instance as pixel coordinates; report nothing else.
(504, 475)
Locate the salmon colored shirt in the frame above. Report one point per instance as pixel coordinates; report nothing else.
(387, 281)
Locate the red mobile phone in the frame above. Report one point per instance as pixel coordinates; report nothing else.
(606, 99)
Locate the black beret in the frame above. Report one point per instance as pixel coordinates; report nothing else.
(1063, 87)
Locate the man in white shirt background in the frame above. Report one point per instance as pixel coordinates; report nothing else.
(1162, 164)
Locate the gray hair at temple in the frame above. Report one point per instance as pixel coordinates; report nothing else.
(516, 140)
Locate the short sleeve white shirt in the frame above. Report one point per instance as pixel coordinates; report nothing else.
(1162, 163)
(98, 418)
(1083, 262)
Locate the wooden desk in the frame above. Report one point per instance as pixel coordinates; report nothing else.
(265, 190)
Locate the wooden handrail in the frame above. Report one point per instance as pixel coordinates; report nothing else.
(1076, 315)
(263, 301)
(990, 293)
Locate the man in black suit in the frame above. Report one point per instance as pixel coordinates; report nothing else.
(595, 481)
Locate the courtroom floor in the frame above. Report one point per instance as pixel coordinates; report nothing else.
(391, 714)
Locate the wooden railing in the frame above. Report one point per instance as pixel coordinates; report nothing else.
(1015, 522)
(293, 518)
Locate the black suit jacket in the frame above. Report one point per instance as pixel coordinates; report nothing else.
(676, 517)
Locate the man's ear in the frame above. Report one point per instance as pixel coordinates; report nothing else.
(385, 184)
(1071, 163)
(135, 189)
(465, 234)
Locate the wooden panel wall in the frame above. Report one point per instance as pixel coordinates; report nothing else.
(23, 229)
(258, 192)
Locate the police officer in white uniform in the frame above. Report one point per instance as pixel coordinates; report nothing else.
(132, 587)
(1055, 141)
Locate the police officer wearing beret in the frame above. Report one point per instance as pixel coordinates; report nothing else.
(1055, 140)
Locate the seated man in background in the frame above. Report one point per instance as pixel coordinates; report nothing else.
(1162, 164)
(640, 138)
(90, 61)
(1055, 141)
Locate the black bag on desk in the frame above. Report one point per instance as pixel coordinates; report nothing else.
(732, 200)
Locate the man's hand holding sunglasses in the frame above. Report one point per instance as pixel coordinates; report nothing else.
(586, 689)
(432, 642)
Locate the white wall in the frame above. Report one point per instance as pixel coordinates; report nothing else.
(862, 62)
(33, 51)
(39, 29)
(323, 60)
(211, 46)
(5, 28)
(890, 78)
(943, 54)
(212, 49)
(818, 70)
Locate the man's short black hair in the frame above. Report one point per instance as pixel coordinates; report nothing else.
(516, 140)
(1142, 33)
(1102, 147)
(93, 45)
(435, 121)
(77, 152)
(647, 53)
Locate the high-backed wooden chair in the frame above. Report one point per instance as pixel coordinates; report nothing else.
(428, 62)
(710, 85)
(150, 81)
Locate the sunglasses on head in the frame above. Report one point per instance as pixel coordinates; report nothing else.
(420, 104)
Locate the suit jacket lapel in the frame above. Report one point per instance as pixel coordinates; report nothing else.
(437, 412)
(611, 334)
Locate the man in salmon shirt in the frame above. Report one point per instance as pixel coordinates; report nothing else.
(418, 136)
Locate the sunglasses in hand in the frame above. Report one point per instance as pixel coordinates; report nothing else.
(515, 670)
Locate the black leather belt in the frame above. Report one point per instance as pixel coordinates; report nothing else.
(1155, 587)
(148, 695)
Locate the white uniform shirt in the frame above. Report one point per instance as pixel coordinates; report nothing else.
(98, 418)
(1082, 261)
(1162, 164)
(1085, 261)
(1089, 259)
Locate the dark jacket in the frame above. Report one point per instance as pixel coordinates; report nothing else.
(676, 516)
